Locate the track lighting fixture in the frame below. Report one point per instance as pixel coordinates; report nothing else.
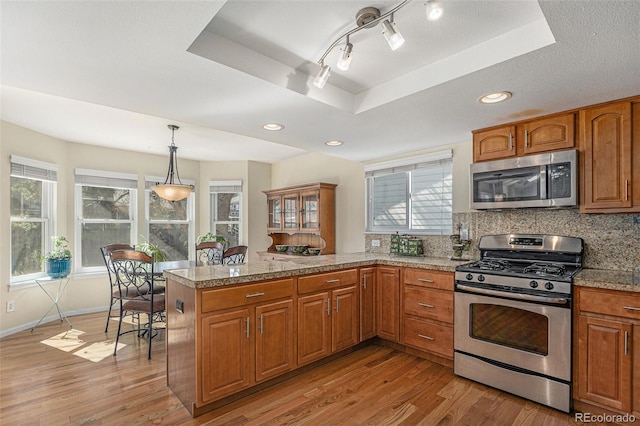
(369, 17)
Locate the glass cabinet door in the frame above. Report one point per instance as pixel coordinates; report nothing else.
(275, 213)
(309, 210)
(291, 220)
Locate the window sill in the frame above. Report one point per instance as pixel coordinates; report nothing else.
(31, 283)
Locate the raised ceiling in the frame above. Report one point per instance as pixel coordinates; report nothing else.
(116, 73)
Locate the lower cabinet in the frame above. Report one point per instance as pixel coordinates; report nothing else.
(388, 303)
(242, 346)
(327, 320)
(608, 325)
(427, 311)
(367, 303)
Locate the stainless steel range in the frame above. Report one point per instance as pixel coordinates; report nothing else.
(513, 315)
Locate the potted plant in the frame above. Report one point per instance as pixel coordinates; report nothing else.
(211, 237)
(152, 250)
(58, 260)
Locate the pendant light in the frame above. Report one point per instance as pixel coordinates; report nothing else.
(170, 190)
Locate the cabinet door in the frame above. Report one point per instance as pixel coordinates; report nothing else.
(344, 324)
(606, 145)
(291, 211)
(388, 306)
(494, 144)
(367, 303)
(314, 327)
(274, 339)
(604, 362)
(225, 354)
(547, 134)
(274, 204)
(310, 210)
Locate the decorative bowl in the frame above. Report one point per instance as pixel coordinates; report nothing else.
(298, 249)
(314, 251)
(282, 248)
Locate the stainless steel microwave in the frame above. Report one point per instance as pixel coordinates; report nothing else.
(542, 180)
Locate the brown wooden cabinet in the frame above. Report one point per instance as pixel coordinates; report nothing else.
(608, 159)
(367, 303)
(246, 336)
(606, 361)
(427, 311)
(388, 303)
(302, 214)
(550, 133)
(328, 314)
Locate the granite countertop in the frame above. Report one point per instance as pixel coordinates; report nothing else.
(608, 279)
(221, 275)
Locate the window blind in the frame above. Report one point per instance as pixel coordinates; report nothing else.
(106, 179)
(33, 169)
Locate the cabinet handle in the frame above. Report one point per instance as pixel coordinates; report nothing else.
(336, 303)
(425, 305)
(254, 295)
(626, 342)
(247, 321)
(424, 280)
(261, 323)
(425, 337)
(364, 282)
(328, 306)
(510, 141)
(333, 281)
(526, 139)
(631, 308)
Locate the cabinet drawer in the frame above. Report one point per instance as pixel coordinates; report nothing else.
(618, 303)
(429, 336)
(223, 298)
(427, 278)
(319, 282)
(427, 303)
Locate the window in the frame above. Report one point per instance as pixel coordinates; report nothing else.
(105, 212)
(226, 210)
(411, 196)
(169, 225)
(32, 190)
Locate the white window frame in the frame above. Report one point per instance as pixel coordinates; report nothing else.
(47, 173)
(409, 167)
(103, 179)
(191, 206)
(225, 187)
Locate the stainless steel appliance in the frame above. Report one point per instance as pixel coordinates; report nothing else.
(542, 180)
(513, 315)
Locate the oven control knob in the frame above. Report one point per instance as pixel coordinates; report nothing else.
(548, 286)
(480, 278)
(533, 284)
(469, 277)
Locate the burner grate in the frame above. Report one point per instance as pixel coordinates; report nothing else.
(545, 269)
(491, 265)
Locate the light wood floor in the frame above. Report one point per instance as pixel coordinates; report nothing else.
(54, 383)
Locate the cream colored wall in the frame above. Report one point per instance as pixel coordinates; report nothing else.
(350, 192)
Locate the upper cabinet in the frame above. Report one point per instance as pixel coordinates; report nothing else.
(302, 215)
(550, 133)
(610, 166)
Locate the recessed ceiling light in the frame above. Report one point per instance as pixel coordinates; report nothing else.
(493, 98)
(272, 126)
(333, 143)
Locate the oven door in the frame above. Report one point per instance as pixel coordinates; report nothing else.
(526, 335)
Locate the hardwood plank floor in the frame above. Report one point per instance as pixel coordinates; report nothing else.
(76, 381)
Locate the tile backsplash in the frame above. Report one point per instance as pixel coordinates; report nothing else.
(612, 241)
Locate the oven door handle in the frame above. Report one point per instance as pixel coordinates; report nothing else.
(519, 296)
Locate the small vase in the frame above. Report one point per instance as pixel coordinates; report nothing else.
(58, 268)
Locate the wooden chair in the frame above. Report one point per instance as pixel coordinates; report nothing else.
(234, 254)
(134, 275)
(209, 253)
(115, 294)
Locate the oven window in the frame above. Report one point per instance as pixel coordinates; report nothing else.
(511, 327)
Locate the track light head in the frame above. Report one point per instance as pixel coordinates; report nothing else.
(393, 37)
(345, 59)
(322, 77)
(434, 10)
